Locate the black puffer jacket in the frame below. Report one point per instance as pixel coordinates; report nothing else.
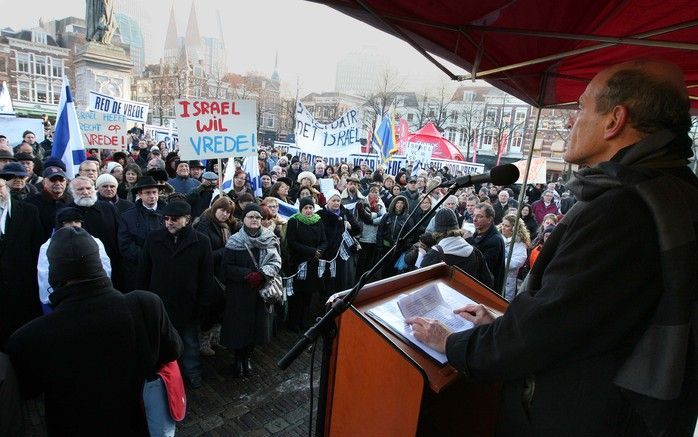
(391, 224)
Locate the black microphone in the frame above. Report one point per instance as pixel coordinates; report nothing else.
(500, 175)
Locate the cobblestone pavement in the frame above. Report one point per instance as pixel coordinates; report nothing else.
(271, 402)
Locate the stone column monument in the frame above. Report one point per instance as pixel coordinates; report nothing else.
(100, 65)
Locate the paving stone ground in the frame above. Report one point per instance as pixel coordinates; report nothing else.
(271, 402)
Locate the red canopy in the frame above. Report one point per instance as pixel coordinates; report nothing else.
(443, 149)
(542, 51)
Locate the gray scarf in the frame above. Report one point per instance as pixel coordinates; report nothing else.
(655, 372)
(268, 245)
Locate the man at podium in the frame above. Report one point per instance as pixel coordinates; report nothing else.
(599, 340)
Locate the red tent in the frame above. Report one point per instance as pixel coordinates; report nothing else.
(541, 51)
(443, 149)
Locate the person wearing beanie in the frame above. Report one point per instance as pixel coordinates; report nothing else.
(107, 186)
(101, 221)
(66, 217)
(252, 257)
(388, 230)
(187, 296)
(452, 248)
(306, 240)
(341, 230)
(84, 357)
(294, 169)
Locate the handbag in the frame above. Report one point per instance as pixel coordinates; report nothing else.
(273, 290)
(174, 387)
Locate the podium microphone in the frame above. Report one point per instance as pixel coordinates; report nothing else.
(500, 175)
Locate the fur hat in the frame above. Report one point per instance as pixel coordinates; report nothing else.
(445, 220)
(73, 254)
(307, 174)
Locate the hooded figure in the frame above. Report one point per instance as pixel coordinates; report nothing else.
(452, 248)
(91, 356)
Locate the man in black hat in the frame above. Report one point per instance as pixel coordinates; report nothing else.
(20, 239)
(16, 177)
(180, 248)
(53, 196)
(5, 157)
(196, 169)
(91, 355)
(136, 224)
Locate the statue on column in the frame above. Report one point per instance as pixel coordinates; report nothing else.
(100, 22)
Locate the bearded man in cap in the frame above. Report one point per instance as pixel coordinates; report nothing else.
(180, 248)
(101, 221)
(136, 224)
(52, 197)
(20, 238)
(91, 355)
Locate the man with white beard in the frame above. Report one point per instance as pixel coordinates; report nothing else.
(101, 221)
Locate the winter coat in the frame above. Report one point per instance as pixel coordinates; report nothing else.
(102, 221)
(47, 210)
(455, 251)
(334, 229)
(531, 225)
(303, 240)
(412, 198)
(500, 211)
(134, 227)
(211, 229)
(539, 210)
(518, 259)
(179, 269)
(11, 420)
(370, 220)
(183, 185)
(391, 224)
(19, 250)
(246, 321)
(200, 199)
(492, 247)
(85, 359)
(120, 204)
(25, 192)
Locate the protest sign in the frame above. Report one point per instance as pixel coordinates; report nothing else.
(537, 173)
(136, 111)
(13, 128)
(162, 133)
(210, 129)
(103, 131)
(419, 151)
(339, 138)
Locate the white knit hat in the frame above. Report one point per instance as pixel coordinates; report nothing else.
(112, 165)
(106, 179)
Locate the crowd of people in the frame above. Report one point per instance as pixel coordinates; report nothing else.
(161, 224)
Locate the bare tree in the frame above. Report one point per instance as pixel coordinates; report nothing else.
(379, 102)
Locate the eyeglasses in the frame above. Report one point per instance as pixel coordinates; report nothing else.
(169, 218)
(254, 217)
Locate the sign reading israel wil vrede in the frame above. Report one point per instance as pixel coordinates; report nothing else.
(339, 138)
(136, 111)
(210, 129)
(103, 131)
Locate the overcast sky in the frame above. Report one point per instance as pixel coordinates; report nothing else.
(309, 38)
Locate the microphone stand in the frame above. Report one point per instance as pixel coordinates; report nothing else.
(325, 324)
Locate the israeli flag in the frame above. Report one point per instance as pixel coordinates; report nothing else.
(227, 183)
(286, 210)
(252, 169)
(67, 138)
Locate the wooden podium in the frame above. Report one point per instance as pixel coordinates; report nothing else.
(377, 384)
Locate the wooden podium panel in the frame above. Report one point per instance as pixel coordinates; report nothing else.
(378, 384)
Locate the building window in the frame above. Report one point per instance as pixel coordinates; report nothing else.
(487, 139)
(41, 92)
(39, 37)
(56, 67)
(268, 120)
(410, 117)
(516, 141)
(24, 90)
(520, 117)
(40, 65)
(492, 116)
(451, 134)
(23, 63)
(56, 92)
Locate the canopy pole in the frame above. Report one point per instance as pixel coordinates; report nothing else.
(522, 193)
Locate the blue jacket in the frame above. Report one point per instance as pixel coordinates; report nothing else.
(183, 185)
